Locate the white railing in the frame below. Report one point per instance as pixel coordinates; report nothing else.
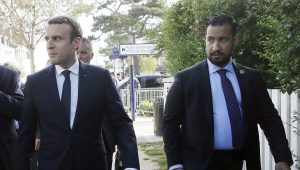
(143, 96)
(288, 107)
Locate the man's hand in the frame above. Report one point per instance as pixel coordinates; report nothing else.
(37, 144)
(282, 166)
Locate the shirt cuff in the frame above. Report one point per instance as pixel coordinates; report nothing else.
(176, 166)
(130, 169)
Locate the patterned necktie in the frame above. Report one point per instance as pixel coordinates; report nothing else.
(66, 93)
(235, 116)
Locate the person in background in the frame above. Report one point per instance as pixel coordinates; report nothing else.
(213, 109)
(119, 77)
(18, 71)
(11, 98)
(115, 80)
(21, 85)
(69, 99)
(85, 54)
(85, 51)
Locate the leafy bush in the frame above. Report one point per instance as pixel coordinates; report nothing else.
(146, 108)
(269, 37)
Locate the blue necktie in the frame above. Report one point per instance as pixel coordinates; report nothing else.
(235, 116)
(66, 93)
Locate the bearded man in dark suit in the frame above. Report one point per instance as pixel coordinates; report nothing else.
(213, 108)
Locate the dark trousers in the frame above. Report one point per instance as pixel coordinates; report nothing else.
(118, 161)
(34, 161)
(109, 159)
(109, 151)
(226, 160)
(76, 165)
(2, 167)
(6, 161)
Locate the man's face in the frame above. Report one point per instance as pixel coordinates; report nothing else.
(84, 53)
(219, 44)
(60, 48)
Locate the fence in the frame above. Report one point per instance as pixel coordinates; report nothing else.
(288, 107)
(144, 98)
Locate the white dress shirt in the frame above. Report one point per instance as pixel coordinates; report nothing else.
(74, 77)
(222, 127)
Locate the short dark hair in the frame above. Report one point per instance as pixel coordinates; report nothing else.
(88, 44)
(75, 26)
(12, 67)
(222, 19)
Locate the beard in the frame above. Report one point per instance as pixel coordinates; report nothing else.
(219, 59)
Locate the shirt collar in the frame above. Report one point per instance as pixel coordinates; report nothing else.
(74, 68)
(212, 68)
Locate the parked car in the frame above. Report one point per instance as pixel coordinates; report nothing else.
(151, 81)
(145, 81)
(125, 83)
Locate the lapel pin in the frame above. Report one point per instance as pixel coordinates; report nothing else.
(242, 71)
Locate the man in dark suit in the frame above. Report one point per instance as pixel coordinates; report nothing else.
(86, 54)
(68, 100)
(85, 51)
(13, 67)
(213, 108)
(11, 99)
(21, 85)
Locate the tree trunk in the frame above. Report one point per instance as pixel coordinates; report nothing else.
(136, 61)
(31, 58)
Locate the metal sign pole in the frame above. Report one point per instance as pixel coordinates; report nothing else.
(134, 50)
(132, 95)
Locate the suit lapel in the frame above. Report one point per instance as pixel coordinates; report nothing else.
(205, 90)
(241, 76)
(51, 84)
(82, 89)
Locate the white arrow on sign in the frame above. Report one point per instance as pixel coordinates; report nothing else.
(137, 49)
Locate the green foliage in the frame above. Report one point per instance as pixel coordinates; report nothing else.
(148, 64)
(125, 26)
(155, 150)
(109, 65)
(282, 43)
(268, 30)
(183, 33)
(127, 21)
(146, 108)
(126, 71)
(180, 38)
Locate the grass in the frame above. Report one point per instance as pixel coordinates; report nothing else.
(155, 151)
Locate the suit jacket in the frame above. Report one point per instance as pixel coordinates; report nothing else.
(10, 108)
(108, 135)
(188, 128)
(82, 146)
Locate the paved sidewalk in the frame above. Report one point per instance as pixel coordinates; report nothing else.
(144, 130)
